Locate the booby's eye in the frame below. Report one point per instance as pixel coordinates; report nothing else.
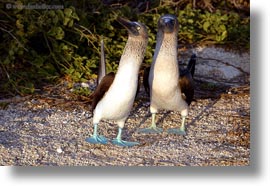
(138, 28)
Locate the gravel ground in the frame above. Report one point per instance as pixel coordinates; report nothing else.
(39, 132)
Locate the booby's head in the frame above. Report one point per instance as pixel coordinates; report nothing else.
(135, 29)
(168, 23)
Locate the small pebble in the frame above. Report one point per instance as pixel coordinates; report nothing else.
(59, 150)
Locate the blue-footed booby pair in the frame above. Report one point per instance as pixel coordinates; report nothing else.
(170, 88)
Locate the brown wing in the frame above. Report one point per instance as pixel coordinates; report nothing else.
(101, 89)
(145, 80)
(187, 86)
(138, 86)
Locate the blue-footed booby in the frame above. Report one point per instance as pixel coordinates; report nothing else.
(115, 94)
(169, 87)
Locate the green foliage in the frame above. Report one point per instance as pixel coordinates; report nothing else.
(82, 91)
(39, 50)
(80, 70)
(215, 28)
(41, 46)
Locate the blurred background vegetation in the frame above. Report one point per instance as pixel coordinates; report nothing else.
(41, 46)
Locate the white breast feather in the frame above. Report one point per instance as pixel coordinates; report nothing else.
(118, 101)
(165, 90)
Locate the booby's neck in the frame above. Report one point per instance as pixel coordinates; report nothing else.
(166, 44)
(165, 56)
(130, 62)
(133, 52)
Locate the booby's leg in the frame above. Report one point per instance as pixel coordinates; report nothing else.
(181, 130)
(153, 128)
(96, 139)
(118, 140)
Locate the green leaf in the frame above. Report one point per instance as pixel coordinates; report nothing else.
(190, 21)
(60, 34)
(205, 26)
(224, 35)
(224, 18)
(222, 28)
(66, 20)
(51, 13)
(75, 16)
(68, 12)
(60, 14)
(70, 23)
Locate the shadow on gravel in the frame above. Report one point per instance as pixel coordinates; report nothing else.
(9, 139)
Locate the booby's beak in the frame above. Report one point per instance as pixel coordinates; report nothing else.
(132, 27)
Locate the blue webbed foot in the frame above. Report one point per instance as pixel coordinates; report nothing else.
(118, 140)
(180, 130)
(177, 131)
(97, 139)
(151, 130)
(123, 143)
